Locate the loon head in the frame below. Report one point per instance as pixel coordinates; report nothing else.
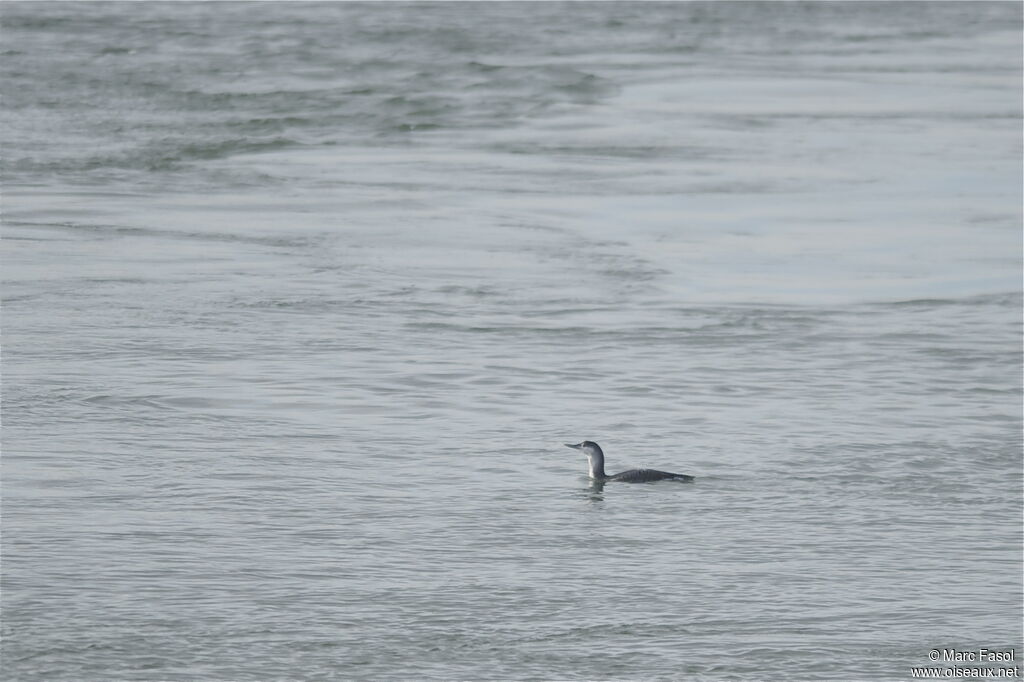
(589, 448)
(595, 456)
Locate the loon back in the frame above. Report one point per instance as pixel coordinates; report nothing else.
(645, 475)
(595, 457)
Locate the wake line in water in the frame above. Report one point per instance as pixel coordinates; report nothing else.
(158, 156)
(114, 231)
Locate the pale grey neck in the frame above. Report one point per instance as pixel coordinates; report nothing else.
(596, 461)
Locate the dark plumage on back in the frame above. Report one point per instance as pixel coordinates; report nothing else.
(644, 475)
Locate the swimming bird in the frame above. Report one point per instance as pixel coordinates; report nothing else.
(595, 456)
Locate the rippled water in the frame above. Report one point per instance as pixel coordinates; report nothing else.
(301, 302)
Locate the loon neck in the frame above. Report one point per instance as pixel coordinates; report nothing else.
(596, 462)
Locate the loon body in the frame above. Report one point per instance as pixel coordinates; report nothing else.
(595, 456)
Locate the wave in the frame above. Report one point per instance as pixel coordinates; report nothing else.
(163, 155)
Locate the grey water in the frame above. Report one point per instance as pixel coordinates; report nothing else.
(301, 302)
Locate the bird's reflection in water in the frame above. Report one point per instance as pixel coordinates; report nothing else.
(595, 491)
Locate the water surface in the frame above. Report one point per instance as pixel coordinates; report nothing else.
(302, 300)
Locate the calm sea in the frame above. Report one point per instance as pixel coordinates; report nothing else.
(301, 302)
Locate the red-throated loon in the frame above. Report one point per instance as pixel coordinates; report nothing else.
(595, 456)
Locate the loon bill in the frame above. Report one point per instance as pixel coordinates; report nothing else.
(595, 456)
